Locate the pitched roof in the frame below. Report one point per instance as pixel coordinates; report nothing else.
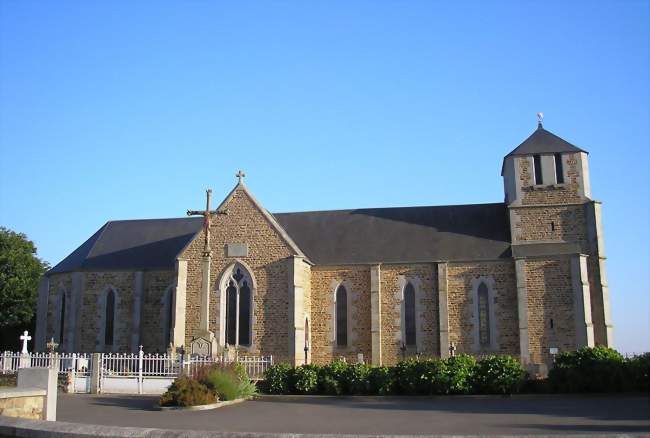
(544, 142)
(145, 244)
(406, 234)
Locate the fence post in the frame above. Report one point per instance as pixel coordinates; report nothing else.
(140, 357)
(71, 388)
(96, 366)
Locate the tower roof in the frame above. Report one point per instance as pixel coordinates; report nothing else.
(544, 142)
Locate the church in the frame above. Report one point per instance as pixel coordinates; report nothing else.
(524, 277)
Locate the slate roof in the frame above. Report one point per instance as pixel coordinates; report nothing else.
(405, 234)
(544, 142)
(145, 244)
(373, 235)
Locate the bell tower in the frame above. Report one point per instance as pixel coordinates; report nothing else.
(557, 244)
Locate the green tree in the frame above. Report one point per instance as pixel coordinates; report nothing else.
(20, 271)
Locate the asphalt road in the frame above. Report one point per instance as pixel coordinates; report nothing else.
(480, 415)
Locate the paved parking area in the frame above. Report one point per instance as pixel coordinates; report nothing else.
(517, 415)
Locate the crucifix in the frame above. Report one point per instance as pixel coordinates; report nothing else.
(207, 216)
(204, 325)
(25, 337)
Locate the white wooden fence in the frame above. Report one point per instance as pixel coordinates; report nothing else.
(125, 373)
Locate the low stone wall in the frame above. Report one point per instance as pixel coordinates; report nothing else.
(23, 403)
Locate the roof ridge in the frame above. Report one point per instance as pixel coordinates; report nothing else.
(155, 219)
(391, 208)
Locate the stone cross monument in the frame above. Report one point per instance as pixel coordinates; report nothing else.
(205, 342)
(25, 337)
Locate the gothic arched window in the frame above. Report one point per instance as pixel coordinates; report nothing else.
(483, 315)
(409, 315)
(341, 316)
(62, 318)
(169, 316)
(239, 303)
(110, 317)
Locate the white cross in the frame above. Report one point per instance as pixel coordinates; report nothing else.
(241, 176)
(25, 337)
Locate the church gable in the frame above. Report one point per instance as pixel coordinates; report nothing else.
(244, 229)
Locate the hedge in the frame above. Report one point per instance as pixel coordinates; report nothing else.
(598, 369)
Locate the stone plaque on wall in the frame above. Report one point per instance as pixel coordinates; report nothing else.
(236, 250)
(201, 347)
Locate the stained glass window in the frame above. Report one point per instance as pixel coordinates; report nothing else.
(62, 318)
(409, 315)
(110, 317)
(483, 315)
(341, 316)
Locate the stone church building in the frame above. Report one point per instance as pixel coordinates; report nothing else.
(523, 277)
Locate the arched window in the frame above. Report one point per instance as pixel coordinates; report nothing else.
(409, 315)
(341, 316)
(62, 318)
(168, 315)
(110, 318)
(239, 303)
(483, 315)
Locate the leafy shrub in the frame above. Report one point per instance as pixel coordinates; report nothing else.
(331, 377)
(459, 371)
(408, 376)
(382, 380)
(357, 378)
(499, 375)
(229, 382)
(435, 377)
(185, 391)
(276, 379)
(638, 373)
(305, 379)
(223, 383)
(597, 369)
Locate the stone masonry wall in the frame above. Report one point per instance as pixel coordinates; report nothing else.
(461, 301)
(555, 194)
(267, 254)
(30, 407)
(325, 280)
(95, 283)
(153, 317)
(566, 224)
(550, 296)
(57, 282)
(423, 278)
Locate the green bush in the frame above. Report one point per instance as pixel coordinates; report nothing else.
(460, 371)
(597, 369)
(229, 382)
(224, 383)
(331, 378)
(382, 380)
(185, 391)
(305, 379)
(276, 379)
(638, 373)
(408, 376)
(499, 375)
(357, 379)
(435, 377)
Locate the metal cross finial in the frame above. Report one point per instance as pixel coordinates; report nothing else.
(241, 176)
(51, 346)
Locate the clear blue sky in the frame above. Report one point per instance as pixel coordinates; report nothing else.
(118, 110)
